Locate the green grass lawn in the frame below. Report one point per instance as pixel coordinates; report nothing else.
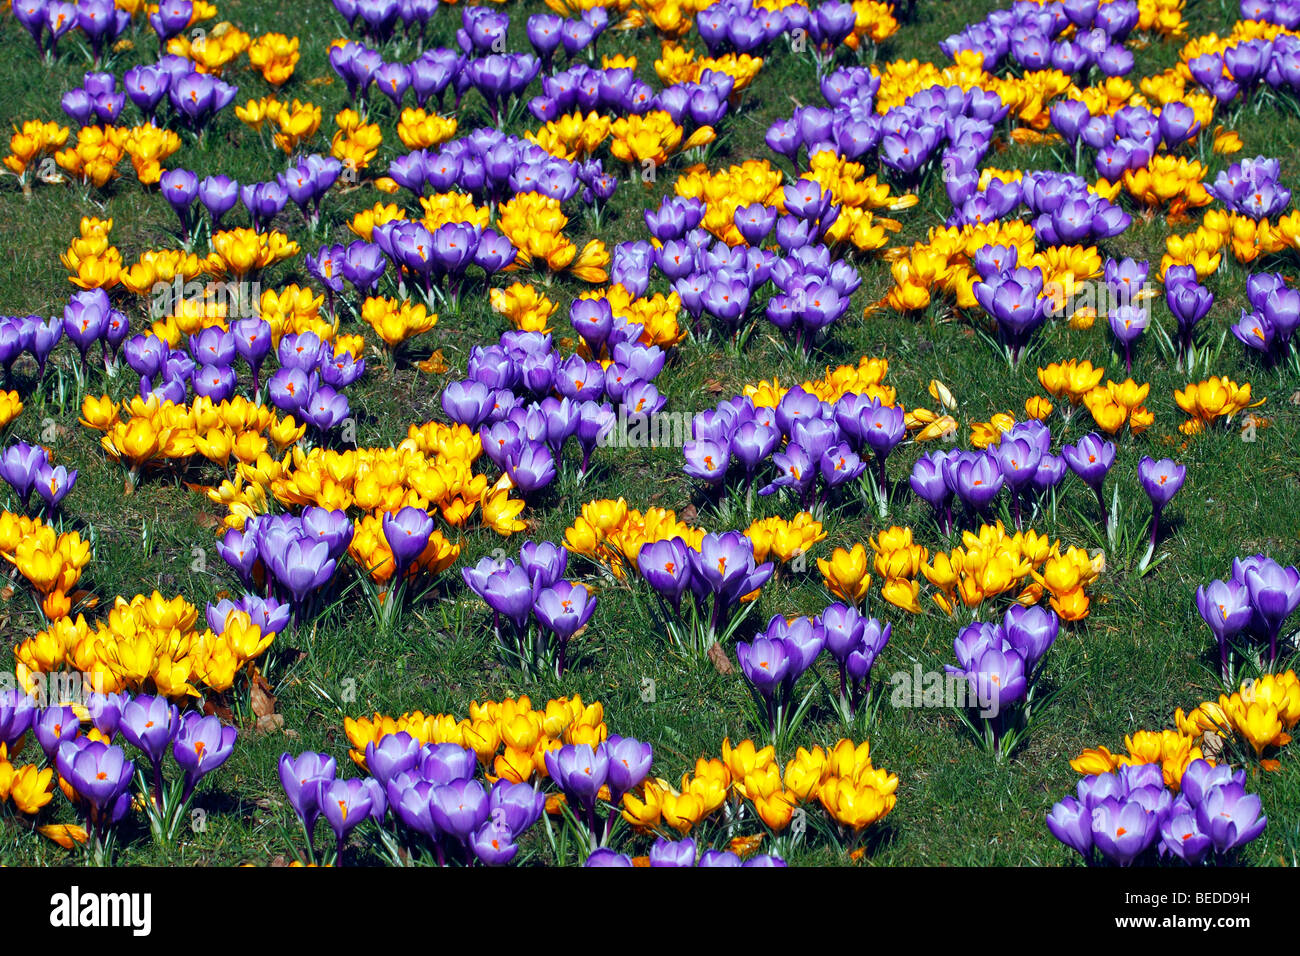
(1141, 653)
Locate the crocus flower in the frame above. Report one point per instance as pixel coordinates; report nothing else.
(765, 663)
(928, 483)
(1225, 606)
(345, 804)
(493, 844)
(407, 533)
(579, 770)
(202, 745)
(667, 852)
(977, 479)
(604, 856)
(1127, 323)
(85, 318)
(1123, 830)
(1071, 823)
(1013, 299)
(1091, 459)
(1161, 481)
(1230, 817)
(392, 755)
(509, 592)
(1274, 593)
(54, 726)
(105, 712)
(302, 567)
(218, 195)
(302, 777)
(180, 188)
(629, 764)
(516, 805)
(563, 610)
(171, 18)
(1189, 302)
(100, 774)
(665, 564)
(20, 466)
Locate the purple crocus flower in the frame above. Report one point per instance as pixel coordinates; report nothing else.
(1071, 823)
(302, 567)
(1161, 481)
(1091, 459)
(202, 745)
(105, 712)
(17, 714)
(604, 856)
(509, 592)
(997, 678)
(1230, 816)
(516, 805)
(532, 469)
(1225, 606)
(1031, 631)
(53, 484)
(1189, 302)
(99, 773)
(493, 844)
(346, 804)
(1127, 323)
(1122, 830)
(20, 466)
(665, 564)
(1013, 300)
(765, 663)
(667, 852)
(629, 764)
(54, 726)
(976, 479)
(392, 755)
(1274, 593)
(579, 770)
(171, 18)
(85, 319)
(564, 609)
(928, 483)
(724, 565)
(1181, 836)
(302, 778)
(407, 533)
(218, 195)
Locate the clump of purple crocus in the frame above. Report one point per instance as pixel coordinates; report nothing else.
(1252, 187)
(532, 591)
(1252, 606)
(854, 641)
(292, 557)
(27, 468)
(1275, 314)
(97, 101)
(1021, 463)
(773, 662)
(1000, 665)
(1130, 816)
(718, 575)
(1189, 302)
